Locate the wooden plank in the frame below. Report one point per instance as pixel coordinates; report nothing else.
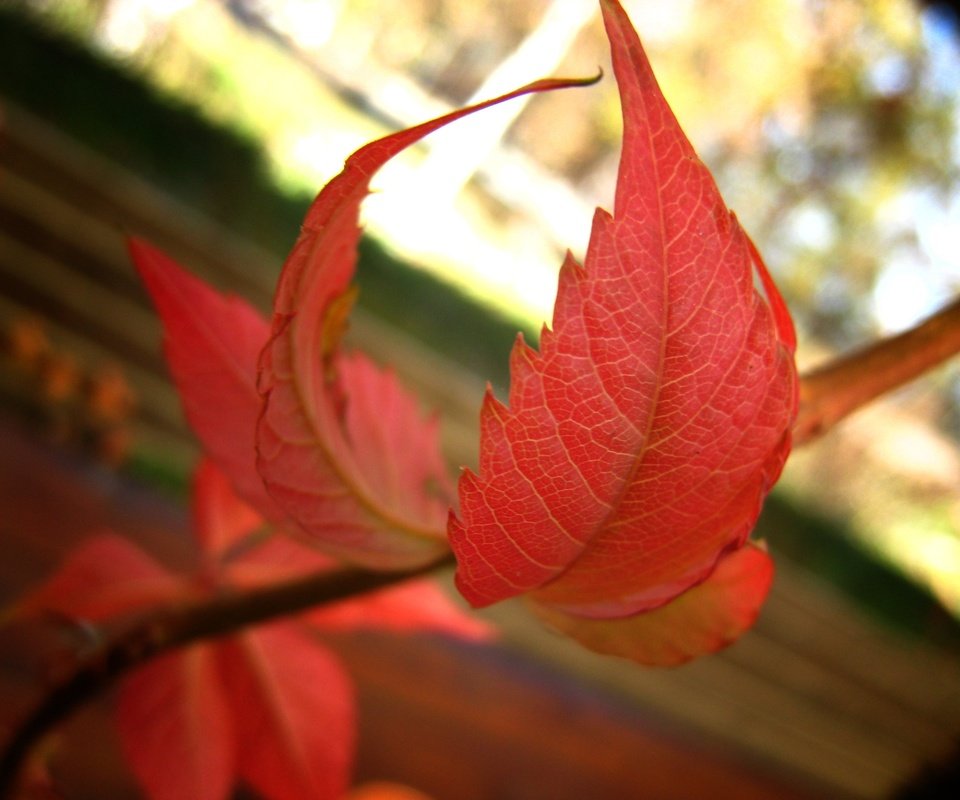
(90, 182)
(749, 711)
(804, 609)
(66, 222)
(94, 228)
(88, 304)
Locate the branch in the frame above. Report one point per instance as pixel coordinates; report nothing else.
(830, 393)
(174, 627)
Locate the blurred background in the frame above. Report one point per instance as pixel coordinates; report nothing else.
(833, 130)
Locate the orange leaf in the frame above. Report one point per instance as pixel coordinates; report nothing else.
(382, 790)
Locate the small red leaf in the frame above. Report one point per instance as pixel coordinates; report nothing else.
(106, 576)
(293, 706)
(176, 727)
(220, 519)
(418, 605)
(275, 559)
(702, 620)
(640, 442)
(329, 436)
(212, 342)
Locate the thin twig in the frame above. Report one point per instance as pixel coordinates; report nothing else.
(174, 627)
(830, 393)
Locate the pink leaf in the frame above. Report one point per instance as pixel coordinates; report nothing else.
(702, 620)
(176, 727)
(238, 548)
(222, 519)
(640, 442)
(212, 342)
(293, 705)
(327, 417)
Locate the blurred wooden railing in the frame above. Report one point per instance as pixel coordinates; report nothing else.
(817, 693)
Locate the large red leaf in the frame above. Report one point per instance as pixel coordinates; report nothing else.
(341, 448)
(212, 343)
(294, 711)
(640, 441)
(176, 727)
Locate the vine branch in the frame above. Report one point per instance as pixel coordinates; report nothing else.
(832, 392)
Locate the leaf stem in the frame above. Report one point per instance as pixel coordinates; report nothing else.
(177, 626)
(830, 393)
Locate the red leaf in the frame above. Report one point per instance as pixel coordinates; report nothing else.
(641, 441)
(176, 727)
(276, 559)
(236, 546)
(418, 605)
(106, 576)
(294, 713)
(212, 342)
(702, 620)
(221, 520)
(341, 448)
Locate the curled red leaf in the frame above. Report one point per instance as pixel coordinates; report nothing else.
(341, 448)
